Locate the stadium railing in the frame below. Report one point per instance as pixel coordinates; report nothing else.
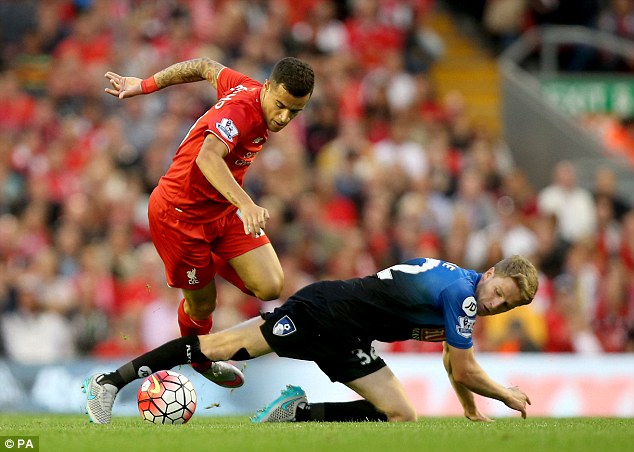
(538, 131)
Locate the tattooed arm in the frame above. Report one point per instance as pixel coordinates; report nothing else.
(184, 72)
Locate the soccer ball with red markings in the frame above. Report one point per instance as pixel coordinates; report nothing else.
(167, 397)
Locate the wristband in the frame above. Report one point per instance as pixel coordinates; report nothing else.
(149, 85)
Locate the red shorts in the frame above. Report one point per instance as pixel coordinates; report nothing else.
(186, 248)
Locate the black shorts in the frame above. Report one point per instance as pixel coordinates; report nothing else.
(299, 330)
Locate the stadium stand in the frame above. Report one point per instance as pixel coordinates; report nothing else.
(394, 158)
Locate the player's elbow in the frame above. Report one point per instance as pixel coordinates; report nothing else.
(203, 158)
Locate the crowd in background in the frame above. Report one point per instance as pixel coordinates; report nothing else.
(375, 171)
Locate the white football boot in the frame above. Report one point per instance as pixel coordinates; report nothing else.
(99, 399)
(224, 374)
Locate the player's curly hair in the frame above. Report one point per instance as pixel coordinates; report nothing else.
(523, 273)
(295, 75)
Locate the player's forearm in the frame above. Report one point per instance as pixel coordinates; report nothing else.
(217, 173)
(476, 380)
(189, 71)
(465, 396)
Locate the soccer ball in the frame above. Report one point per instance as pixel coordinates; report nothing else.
(167, 397)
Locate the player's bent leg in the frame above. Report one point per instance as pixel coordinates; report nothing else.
(228, 273)
(194, 318)
(200, 303)
(383, 390)
(241, 342)
(261, 272)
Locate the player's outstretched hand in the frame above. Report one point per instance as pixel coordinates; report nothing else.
(123, 87)
(517, 400)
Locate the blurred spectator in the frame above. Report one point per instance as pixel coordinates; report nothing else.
(16, 19)
(505, 20)
(400, 156)
(626, 242)
(506, 236)
(520, 334)
(605, 185)
(551, 249)
(617, 18)
(370, 38)
(559, 325)
(516, 185)
(423, 46)
(613, 313)
(16, 106)
(153, 300)
(608, 231)
(569, 12)
(321, 31)
(572, 205)
(34, 333)
(474, 201)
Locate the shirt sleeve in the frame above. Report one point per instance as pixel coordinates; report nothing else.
(460, 309)
(228, 79)
(229, 116)
(226, 124)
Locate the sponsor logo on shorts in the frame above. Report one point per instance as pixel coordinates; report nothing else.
(284, 326)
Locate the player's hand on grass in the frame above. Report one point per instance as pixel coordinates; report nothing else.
(123, 87)
(476, 416)
(517, 400)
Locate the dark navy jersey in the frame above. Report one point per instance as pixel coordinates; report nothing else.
(423, 299)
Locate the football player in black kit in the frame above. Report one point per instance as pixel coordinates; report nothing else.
(333, 323)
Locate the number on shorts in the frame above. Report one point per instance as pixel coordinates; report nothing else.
(364, 358)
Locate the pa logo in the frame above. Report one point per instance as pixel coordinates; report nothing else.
(284, 326)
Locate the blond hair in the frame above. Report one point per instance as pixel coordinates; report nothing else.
(523, 272)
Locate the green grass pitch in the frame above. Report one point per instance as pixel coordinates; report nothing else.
(237, 434)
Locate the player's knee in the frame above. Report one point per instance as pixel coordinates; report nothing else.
(270, 290)
(200, 308)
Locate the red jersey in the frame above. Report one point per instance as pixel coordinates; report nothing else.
(238, 121)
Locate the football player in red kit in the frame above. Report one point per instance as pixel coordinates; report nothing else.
(202, 222)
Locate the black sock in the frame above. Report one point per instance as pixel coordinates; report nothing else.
(357, 411)
(184, 350)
